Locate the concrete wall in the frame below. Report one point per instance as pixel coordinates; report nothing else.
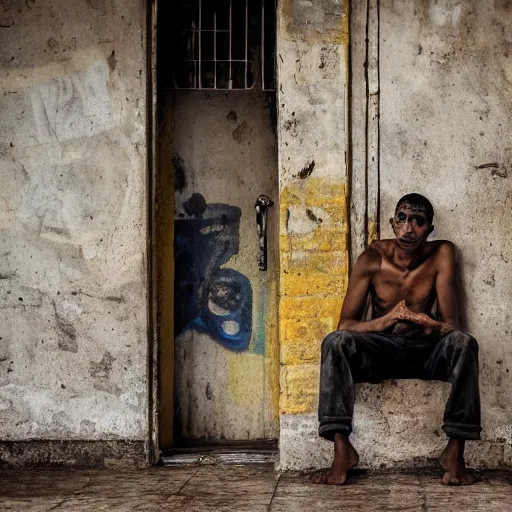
(224, 153)
(312, 73)
(446, 119)
(445, 110)
(73, 335)
(73, 329)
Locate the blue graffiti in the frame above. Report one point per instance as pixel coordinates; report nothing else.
(209, 298)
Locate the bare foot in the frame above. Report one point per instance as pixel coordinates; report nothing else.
(452, 461)
(345, 458)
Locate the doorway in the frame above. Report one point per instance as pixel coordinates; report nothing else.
(218, 158)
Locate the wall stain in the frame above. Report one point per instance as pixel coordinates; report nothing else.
(112, 61)
(67, 335)
(232, 116)
(496, 170)
(488, 166)
(306, 171)
(52, 43)
(240, 132)
(291, 126)
(180, 177)
(321, 21)
(104, 367)
(119, 300)
(500, 173)
(313, 217)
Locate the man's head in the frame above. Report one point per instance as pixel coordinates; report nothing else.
(412, 222)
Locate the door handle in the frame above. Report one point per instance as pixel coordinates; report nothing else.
(263, 203)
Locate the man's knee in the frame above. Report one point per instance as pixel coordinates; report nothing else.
(337, 341)
(462, 341)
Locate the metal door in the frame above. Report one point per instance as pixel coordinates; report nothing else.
(226, 359)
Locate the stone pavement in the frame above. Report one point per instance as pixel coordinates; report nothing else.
(242, 488)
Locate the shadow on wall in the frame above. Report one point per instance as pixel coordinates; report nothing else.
(211, 299)
(461, 291)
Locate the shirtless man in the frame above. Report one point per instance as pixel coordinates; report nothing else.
(404, 277)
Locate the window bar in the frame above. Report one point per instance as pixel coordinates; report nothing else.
(193, 74)
(215, 50)
(262, 45)
(199, 42)
(230, 82)
(246, 36)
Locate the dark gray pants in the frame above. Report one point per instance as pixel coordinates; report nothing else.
(349, 357)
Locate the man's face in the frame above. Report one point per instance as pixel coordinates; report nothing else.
(411, 227)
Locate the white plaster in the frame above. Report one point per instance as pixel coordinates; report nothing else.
(90, 251)
(72, 207)
(445, 12)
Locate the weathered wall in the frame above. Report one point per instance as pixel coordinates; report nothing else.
(446, 119)
(73, 335)
(312, 72)
(224, 154)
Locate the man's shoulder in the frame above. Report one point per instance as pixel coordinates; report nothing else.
(382, 247)
(442, 248)
(371, 258)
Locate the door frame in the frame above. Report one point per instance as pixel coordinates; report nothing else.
(160, 250)
(160, 280)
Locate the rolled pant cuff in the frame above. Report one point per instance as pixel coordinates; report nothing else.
(461, 431)
(330, 426)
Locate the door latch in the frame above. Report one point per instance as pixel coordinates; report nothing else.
(262, 204)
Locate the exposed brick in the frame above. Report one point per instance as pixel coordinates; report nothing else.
(311, 283)
(311, 306)
(299, 388)
(319, 191)
(301, 339)
(321, 239)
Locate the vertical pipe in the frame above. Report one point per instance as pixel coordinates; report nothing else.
(372, 122)
(199, 42)
(357, 132)
(193, 83)
(215, 50)
(246, 36)
(262, 57)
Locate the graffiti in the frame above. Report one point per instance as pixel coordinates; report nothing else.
(211, 299)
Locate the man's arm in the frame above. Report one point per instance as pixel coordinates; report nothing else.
(445, 288)
(358, 286)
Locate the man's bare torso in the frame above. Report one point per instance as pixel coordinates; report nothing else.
(391, 283)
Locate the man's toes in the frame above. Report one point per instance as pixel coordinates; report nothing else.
(450, 479)
(338, 479)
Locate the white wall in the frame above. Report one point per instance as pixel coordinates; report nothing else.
(73, 336)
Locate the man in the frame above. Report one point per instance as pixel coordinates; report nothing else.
(405, 278)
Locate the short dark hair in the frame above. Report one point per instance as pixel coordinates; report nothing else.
(418, 202)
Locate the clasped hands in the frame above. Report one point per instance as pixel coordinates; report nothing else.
(401, 313)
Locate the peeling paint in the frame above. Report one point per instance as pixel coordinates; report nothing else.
(324, 21)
